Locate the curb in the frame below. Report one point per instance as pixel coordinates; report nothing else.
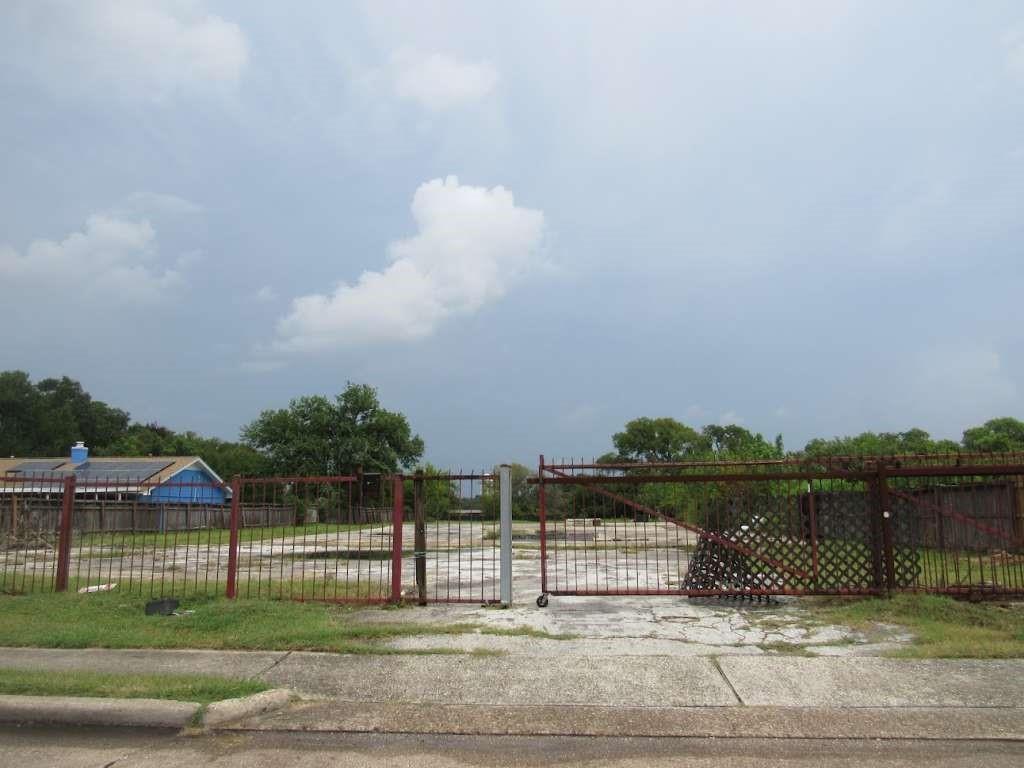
(230, 710)
(136, 713)
(895, 723)
(86, 710)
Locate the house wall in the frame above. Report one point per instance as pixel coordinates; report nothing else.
(179, 489)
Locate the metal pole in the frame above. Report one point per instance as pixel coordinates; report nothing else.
(418, 498)
(543, 517)
(887, 537)
(397, 512)
(505, 490)
(236, 493)
(67, 508)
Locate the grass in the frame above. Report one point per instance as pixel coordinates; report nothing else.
(786, 649)
(216, 536)
(112, 620)
(943, 628)
(198, 688)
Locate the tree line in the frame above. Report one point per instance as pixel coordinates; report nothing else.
(313, 436)
(316, 435)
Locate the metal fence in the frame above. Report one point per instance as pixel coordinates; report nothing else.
(952, 525)
(944, 524)
(428, 538)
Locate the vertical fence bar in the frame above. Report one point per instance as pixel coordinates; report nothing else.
(543, 517)
(397, 512)
(67, 509)
(886, 522)
(236, 500)
(505, 571)
(420, 555)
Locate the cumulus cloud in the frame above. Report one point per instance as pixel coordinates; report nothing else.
(472, 242)
(109, 262)
(437, 81)
(147, 49)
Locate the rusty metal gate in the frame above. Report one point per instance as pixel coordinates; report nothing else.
(365, 538)
(426, 537)
(851, 525)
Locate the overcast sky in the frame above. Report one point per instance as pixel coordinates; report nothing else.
(524, 223)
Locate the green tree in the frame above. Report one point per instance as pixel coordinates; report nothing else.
(1005, 434)
(524, 495)
(660, 439)
(734, 442)
(880, 444)
(19, 415)
(317, 436)
(45, 418)
(70, 414)
(224, 457)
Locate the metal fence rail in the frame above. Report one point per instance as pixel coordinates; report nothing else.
(839, 525)
(360, 538)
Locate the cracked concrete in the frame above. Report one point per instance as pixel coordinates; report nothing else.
(640, 626)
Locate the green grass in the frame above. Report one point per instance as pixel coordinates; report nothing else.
(943, 628)
(198, 688)
(786, 649)
(112, 620)
(215, 536)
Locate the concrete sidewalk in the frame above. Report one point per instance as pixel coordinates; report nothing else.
(606, 695)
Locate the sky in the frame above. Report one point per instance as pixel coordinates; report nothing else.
(524, 223)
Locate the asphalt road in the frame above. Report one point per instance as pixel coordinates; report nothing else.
(113, 748)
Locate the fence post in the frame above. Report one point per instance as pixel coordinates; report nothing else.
(67, 509)
(236, 493)
(418, 499)
(397, 513)
(505, 490)
(542, 514)
(886, 522)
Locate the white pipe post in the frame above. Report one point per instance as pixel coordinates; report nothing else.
(505, 492)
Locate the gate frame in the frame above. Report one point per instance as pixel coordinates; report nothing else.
(875, 471)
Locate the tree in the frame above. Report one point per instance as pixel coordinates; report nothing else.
(880, 444)
(45, 418)
(315, 436)
(19, 414)
(734, 442)
(225, 458)
(661, 439)
(524, 495)
(1005, 434)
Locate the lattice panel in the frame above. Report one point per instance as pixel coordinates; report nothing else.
(754, 542)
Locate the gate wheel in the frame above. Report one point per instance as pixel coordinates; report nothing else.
(542, 601)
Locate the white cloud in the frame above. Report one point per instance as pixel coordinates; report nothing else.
(108, 262)
(437, 81)
(148, 49)
(472, 243)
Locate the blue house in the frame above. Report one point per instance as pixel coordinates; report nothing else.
(149, 479)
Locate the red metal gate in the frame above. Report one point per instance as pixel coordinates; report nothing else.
(365, 538)
(853, 525)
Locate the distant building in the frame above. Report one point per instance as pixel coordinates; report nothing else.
(151, 479)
